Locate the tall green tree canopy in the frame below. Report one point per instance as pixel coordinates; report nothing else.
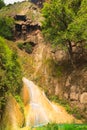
(65, 21)
(78, 28)
(2, 4)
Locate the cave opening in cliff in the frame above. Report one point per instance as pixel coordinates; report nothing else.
(20, 17)
(18, 27)
(31, 28)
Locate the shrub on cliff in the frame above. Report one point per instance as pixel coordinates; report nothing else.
(10, 73)
(2, 4)
(6, 27)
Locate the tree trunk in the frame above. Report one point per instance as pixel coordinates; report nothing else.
(71, 54)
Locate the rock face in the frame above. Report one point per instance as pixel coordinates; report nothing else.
(74, 96)
(13, 117)
(60, 55)
(76, 89)
(24, 26)
(38, 2)
(83, 98)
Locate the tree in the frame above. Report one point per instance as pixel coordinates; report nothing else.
(61, 20)
(78, 28)
(2, 4)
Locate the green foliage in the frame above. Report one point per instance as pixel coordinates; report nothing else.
(6, 26)
(53, 67)
(58, 16)
(58, 100)
(63, 127)
(19, 100)
(65, 22)
(27, 47)
(20, 46)
(2, 4)
(10, 73)
(79, 33)
(60, 19)
(54, 98)
(75, 5)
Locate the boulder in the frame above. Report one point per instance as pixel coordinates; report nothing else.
(66, 95)
(73, 89)
(83, 98)
(74, 96)
(68, 81)
(60, 55)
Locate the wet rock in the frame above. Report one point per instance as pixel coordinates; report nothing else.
(60, 55)
(83, 98)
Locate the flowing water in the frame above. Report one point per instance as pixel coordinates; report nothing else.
(36, 113)
(40, 110)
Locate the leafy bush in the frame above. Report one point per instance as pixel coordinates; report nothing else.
(10, 73)
(27, 47)
(54, 68)
(2, 4)
(20, 46)
(19, 100)
(6, 26)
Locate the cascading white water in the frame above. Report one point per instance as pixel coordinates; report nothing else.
(40, 110)
(37, 115)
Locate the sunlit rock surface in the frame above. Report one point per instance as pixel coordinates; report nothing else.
(13, 117)
(25, 95)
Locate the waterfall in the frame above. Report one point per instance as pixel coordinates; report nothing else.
(40, 110)
(36, 115)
